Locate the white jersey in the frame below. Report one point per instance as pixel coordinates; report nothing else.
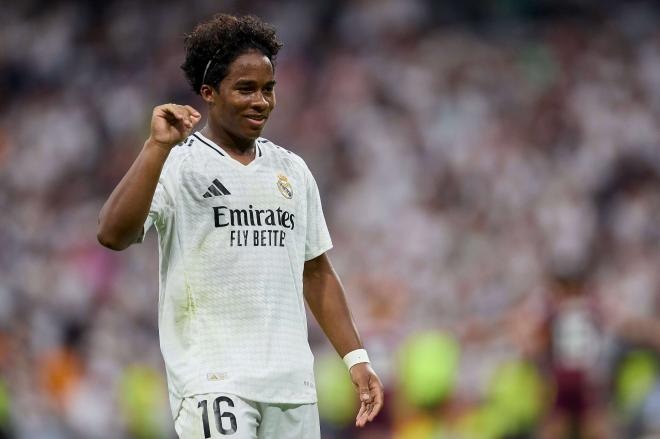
(233, 242)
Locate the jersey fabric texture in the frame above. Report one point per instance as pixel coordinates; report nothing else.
(233, 241)
(222, 415)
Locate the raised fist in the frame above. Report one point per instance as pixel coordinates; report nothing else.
(171, 123)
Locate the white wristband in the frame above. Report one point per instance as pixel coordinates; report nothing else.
(355, 357)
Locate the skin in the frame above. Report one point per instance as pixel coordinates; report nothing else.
(325, 297)
(247, 93)
(238, 109)
(123, 214)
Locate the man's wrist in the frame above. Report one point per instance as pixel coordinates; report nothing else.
(154, 145)
(356, 357)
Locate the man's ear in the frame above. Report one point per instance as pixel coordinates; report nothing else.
(208, 93)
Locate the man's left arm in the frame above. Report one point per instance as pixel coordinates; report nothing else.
(325, 297)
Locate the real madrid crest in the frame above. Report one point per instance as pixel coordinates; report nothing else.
(284, 186)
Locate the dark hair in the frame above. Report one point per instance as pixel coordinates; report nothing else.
(221, 40)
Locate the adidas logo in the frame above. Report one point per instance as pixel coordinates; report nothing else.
(216, 189)
(216, 376)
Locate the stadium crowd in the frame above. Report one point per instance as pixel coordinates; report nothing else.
(490, 176)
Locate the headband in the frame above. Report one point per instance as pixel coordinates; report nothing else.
(208, 64)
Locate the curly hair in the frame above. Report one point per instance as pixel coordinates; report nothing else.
(222, 39)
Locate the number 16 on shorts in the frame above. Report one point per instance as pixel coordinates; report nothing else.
(224, 415)
(225, 420)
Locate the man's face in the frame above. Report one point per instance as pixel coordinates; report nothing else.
(245, 97)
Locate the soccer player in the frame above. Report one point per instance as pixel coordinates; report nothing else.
(243, 244)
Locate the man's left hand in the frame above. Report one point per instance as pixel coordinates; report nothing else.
(370, 390)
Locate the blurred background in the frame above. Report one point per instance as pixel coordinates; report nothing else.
(490, 172)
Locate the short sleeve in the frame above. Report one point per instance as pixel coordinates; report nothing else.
(161, 206)
(317, 239)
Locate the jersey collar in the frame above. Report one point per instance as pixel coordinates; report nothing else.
(218, 149)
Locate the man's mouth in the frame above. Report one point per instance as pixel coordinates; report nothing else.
(256, 119)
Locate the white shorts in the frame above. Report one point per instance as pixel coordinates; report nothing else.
(222, 415)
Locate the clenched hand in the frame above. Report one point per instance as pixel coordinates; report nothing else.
(171, 123)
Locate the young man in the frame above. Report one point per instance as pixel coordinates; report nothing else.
(243, 244)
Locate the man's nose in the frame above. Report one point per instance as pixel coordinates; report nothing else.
(260, 102)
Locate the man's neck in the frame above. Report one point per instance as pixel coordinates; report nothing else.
(242, 150)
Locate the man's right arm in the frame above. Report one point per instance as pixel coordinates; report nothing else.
(124, 213)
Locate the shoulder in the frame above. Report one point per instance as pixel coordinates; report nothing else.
(281, 153)
(179, 154)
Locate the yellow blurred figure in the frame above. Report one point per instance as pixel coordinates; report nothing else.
(143, 403)
(428, 364)
(335, 392)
